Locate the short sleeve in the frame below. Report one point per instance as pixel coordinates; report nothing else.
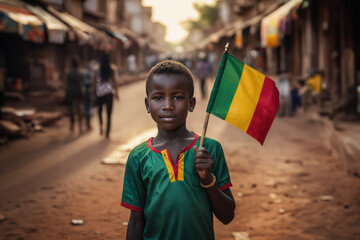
(133, 196)
(220, 168)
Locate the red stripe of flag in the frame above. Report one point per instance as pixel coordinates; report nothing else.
(265, 111)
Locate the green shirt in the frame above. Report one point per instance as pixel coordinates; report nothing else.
(175, 206)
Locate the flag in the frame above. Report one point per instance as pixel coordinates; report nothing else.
(244, 97)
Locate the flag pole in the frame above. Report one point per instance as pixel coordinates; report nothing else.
(207, 115)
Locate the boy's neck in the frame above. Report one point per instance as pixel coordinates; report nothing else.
(177, 134)
(173, 140)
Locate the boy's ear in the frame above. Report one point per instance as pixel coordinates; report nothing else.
(147, 104)
(192, 104)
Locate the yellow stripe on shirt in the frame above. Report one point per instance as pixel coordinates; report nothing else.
(168, 164)
(181, 167)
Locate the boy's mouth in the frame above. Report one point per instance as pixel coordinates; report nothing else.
(167, 117)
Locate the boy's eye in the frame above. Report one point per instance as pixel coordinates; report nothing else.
(158, 98)
(178, 97)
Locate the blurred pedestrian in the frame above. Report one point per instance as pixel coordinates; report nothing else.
(305, 94)
(315, 82)
(295, 98)
(88, 99)
(188, 63)
(104, 88)
(2, 89)
(283, 86)
(131, 59)
(203, 70)
(75, 92)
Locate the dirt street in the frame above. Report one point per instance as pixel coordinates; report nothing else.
(289, 189)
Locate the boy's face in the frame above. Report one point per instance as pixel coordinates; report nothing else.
(168, 100)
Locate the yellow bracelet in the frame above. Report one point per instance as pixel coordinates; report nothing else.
(210, 184)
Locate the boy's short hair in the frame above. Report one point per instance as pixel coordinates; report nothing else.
(171, 67)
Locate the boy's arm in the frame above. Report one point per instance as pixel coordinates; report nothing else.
(222, 202)
(136, 225)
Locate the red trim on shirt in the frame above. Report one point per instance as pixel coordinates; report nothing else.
(191, 144)
(226, 186)
(151, 146)
(196, 137)
(137, 209)
(174, 166)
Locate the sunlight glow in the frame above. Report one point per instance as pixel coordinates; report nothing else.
(171, 13)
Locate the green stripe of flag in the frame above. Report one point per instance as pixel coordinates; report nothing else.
(223, 95)
(217, 82)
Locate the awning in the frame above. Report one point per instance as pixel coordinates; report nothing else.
(56, 29)
(241, 24)
(16, 19)
(271, 24)
(233, 28)
(272, 12)
(85, 33)
(127, 37)
(133, 36)
(212, 38)
(116, 32)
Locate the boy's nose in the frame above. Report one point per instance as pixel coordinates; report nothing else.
(168, 105)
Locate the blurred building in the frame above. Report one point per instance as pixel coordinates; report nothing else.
(38, 37)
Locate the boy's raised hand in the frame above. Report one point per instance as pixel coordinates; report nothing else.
(203, 164)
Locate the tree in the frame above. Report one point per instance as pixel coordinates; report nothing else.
(208, 14)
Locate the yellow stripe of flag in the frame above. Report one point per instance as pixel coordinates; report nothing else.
(246, 97)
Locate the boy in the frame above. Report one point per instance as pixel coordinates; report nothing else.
(171, 186)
